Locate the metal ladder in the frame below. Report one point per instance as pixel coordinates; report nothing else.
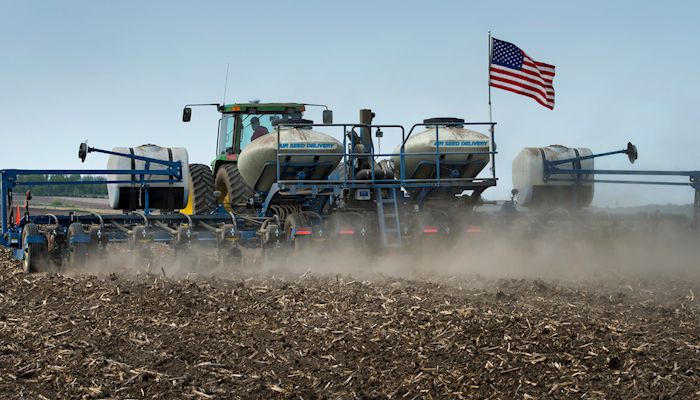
(388, 217)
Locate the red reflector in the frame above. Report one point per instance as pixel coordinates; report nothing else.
(430, 229)
(304, 231)
(473, 229)
(346, 231)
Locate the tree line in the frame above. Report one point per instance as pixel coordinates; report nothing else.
(76, 190)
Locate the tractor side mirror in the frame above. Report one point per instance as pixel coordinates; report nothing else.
(186, 114)
(327, 116)
(82, 151)
(631, 152)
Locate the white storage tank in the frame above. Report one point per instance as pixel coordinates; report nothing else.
(452, 138)
(534, 192)
(162, 196)
(257, 163)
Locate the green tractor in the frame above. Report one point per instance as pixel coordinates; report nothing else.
(240, 123)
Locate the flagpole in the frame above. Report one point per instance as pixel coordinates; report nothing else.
(488, 82)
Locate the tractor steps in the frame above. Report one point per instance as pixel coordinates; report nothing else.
(388, 218)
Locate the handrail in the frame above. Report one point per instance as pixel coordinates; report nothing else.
(347, 155)
(8, 179)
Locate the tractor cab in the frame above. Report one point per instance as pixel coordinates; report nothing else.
(240, 124)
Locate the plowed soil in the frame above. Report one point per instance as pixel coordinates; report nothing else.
(334, 336)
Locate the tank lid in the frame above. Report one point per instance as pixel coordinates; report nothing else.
(444, 121)
(297, 121)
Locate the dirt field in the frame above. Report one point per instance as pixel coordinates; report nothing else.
(311, 335)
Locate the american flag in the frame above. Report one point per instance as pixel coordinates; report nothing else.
(511, 69)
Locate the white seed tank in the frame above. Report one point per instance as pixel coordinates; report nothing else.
(257, 163)
(453, 138)
(164, 196)
(534, 192)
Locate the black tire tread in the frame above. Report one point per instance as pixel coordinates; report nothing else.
(202, 185)
(229, 181)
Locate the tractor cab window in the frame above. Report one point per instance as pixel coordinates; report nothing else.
(226, 134)
(237, 130)
(254, 126)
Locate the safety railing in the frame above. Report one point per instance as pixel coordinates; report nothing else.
(284, 151)
(171, 172)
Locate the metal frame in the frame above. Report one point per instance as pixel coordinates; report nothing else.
(290, 176)
(319, 187)
(220, 228)
(9, 180)
(314, 193)
(551, 170)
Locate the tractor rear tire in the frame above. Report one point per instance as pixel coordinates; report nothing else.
(201, 185)
(234, 191)
(34, 253)
(77, 252)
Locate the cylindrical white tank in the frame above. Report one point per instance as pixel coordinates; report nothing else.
(164, 196)
(534, 192)
(451, 139)
(257, 163)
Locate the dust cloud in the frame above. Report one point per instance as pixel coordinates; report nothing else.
(577, 251)
(667, 252)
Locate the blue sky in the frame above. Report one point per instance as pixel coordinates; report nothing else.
(118, 74)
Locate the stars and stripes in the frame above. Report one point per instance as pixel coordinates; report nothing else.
(511, 69)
